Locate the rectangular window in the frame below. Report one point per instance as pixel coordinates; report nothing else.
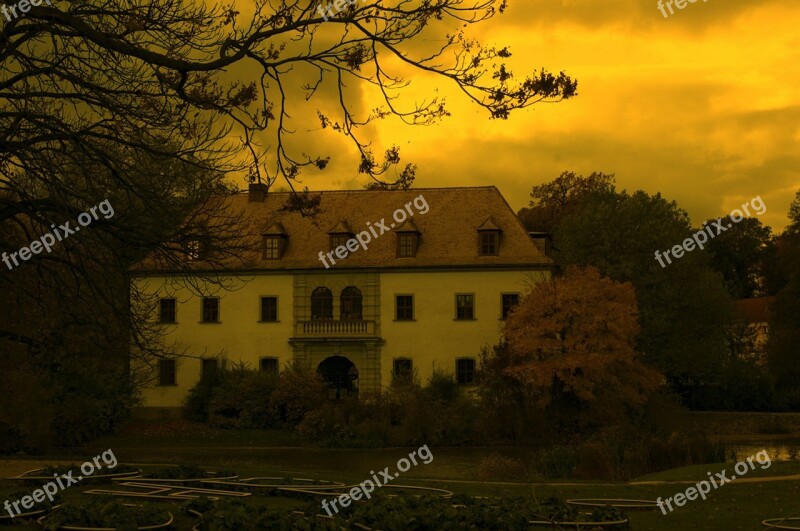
(209, 368)
(166, 372)
(339, 240)
(269, 365)
(465, 306)
(465, 371)
(192, 250)
(269, 309)
(273, 247)
(405, 307)
(406, 245)
(488, 244)
(210, 310)
(508, 301)
(167, 311)
(402, 369)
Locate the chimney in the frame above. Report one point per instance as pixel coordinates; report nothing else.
(257, 192)
(543, 241)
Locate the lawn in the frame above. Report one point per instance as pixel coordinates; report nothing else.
(740, 505)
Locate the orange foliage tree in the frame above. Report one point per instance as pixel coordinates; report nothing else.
(572, 340)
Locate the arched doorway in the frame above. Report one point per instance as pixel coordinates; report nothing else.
(341, 375)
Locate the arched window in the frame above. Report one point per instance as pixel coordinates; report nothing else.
(350, 304)
(321, 304)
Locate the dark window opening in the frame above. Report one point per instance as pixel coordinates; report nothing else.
(269, 309)
(210, 366)
(166, 372)
(350, 304)
(402, 370)
(273, 247)
(405, 307)
(510, 300)
(210, 310)
(488, 243)
(269, 365)
(465, 371)
(167, 312)
(193, 249)
(339, 240)
(321, 304)
(406, 245)
(465, 307)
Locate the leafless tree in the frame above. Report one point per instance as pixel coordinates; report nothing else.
(151, 103)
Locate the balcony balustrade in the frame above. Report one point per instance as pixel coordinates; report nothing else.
(331, 328)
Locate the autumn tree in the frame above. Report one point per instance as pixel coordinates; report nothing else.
(684, 308)
(572, 339)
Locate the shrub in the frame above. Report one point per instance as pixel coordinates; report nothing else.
(299, 391)
(624, 453)
(557, 462)
(327, 425)
(198, 400)
(11, 439)
(105, 512)
(89, 401)
(771, 425)
(241, 400)
(441, 386)
(496, 466)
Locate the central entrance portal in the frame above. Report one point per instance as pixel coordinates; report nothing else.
(341, 375)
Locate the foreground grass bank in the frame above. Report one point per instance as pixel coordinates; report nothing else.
(740, 505)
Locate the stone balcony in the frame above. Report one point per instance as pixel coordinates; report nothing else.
(334, 329)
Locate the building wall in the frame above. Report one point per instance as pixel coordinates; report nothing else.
(433, 340)
(238, 335)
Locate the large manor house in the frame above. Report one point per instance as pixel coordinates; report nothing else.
(427, 295)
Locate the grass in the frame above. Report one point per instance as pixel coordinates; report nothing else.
(734, 506)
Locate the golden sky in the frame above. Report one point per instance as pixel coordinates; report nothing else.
(702, 106)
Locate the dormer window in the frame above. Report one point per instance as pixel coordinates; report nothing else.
(274, 241)
(273, 247)
(406, 245)
(407, 239)
(192, 250)
(339, 240)
(489, 243)
(338, 236)
(489, 238)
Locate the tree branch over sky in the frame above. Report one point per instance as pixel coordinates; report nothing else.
(155, 104)
(79, 72)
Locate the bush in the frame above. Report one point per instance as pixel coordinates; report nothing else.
(557, 462)
(442, 387)
(299, 391)
(90, 401)
(237, 396)
(624, 453)
(198, 400)
(105, 512)
(496, 466)
(241, 400)
(327, 425)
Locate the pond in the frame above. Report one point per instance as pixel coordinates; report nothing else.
(778, 449)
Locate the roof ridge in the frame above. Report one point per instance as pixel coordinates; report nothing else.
(429, 188)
